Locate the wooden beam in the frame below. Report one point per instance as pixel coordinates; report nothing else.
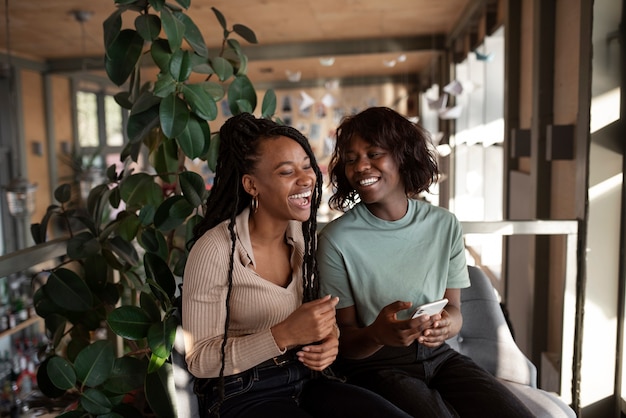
(289, 51)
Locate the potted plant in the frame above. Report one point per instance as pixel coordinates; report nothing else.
(121, 274)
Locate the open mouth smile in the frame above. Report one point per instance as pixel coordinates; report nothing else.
(368, 181)
(301, 199)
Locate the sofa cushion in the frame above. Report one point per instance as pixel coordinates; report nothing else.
(541, 403)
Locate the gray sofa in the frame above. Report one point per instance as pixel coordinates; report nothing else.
(485, 338)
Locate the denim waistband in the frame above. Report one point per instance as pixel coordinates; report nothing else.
(284, 359)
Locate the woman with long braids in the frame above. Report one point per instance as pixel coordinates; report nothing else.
(258, 337)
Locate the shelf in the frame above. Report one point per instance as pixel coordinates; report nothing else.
(21, 326)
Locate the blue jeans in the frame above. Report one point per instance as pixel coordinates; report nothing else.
(437, 383)
(289, 390)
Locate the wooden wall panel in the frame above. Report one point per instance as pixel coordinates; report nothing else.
(35, 134)
(62, 116)
(526, 63)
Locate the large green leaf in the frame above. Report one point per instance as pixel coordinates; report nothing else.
(215, 90)
(97, 203)
(222, 68)
(161, 337)
(146, 214)
(220, 18)
(44, 306)
(127, 374)
(268, 107)
(244, 106)
(161, 54)
(180, 65)
(155, 363)
(128, 227)
(165, 85)
(95, 402)
(124, 250)
(174, 29)
(63, 193)
(172, 213)
(122, 55)
(148, 304)
(158, 386)
(82, 245)
(193, 36)
(61, 373)
(184, 3)
(195, 139)
(165, 160)
(158, 270)
(96, 273)
(245, 32)
(145, 102)
(112, 26)
(130, 322)
(154, 241)
(157, 4)
(94, 363)
(141, 124)
(214, 146)
(68, 290)
(174, 115)
(148, 26)
(140, 189)
(201, 102)
(75, 346)
(123, 99)
(43, 381)
(193, 187)
(241, 89)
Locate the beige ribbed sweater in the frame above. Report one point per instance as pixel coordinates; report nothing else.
(255, 305)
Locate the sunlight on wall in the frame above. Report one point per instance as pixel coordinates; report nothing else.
(610, 185)
(605, 109)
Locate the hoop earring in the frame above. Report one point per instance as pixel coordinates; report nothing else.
(254, 204)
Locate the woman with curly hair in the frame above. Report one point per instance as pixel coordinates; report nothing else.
(389, 253)
(258, 337)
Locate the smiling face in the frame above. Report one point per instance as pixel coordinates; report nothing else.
(374, 174)
(283, 180)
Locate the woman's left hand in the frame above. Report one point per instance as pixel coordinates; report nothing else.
(438, 332)
(320, 356)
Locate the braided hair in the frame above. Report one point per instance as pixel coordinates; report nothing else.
(240, 138)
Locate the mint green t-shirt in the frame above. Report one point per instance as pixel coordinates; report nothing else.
(369, 262)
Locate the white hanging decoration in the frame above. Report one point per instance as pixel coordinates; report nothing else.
(454, 88)
(307, 101)
(293, 76)
(453, 112)
(438, 104)
(328, 100)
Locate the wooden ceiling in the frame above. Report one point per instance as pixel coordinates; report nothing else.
(363, 36)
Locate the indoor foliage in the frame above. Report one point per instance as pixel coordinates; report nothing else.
(119, 273)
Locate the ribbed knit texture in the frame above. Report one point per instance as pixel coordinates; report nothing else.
(256, 304)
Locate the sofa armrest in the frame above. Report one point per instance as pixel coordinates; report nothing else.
(485, 336)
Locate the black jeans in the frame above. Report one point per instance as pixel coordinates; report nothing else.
(437, 383)
(288, 390)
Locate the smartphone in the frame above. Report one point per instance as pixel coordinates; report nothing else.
(430, 308)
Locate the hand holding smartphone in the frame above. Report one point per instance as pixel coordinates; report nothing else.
(430, 308)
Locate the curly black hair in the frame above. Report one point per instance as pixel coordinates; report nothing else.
(383, 127)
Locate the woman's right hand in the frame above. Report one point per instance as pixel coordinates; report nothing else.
(387, 329)
(311, 322)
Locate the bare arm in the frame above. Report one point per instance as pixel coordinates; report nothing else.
(360, 342)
